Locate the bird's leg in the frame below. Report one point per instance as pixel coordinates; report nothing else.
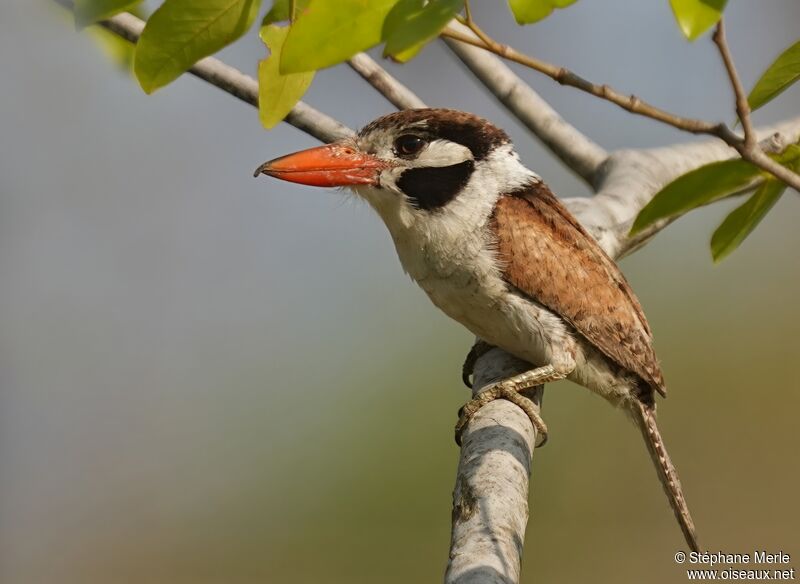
(478, 350)
(510, 389)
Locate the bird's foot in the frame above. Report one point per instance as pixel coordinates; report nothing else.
(510, 389)
(500, 391)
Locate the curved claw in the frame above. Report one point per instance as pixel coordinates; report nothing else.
(478, 350)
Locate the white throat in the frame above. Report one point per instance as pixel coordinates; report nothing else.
(436, 240)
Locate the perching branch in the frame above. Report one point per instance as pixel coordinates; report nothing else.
(630, 103)
(577, 151)
(490, 499)
(398, 94)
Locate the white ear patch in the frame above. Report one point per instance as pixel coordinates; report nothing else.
(440, 153)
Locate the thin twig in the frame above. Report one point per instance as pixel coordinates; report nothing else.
(742, 105)
(564, 76)
(579, 153)
(749, 147)
(629, 103)
(398, 94)
(467, 13)
(470, 23)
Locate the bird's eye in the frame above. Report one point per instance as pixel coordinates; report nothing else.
(408, 145)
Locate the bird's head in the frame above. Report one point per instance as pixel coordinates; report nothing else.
(413, 164)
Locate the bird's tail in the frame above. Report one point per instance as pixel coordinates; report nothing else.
(646, 418)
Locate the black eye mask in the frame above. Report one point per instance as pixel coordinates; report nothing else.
(429, 188)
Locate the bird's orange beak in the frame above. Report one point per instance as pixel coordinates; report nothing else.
(335, 165)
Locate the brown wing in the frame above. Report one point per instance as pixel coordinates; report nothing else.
(548, 256)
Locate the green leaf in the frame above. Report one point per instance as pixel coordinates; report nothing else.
(181, 32)
(277, 93)
(90, 11)
(330, 32)
(530, 11)
(408, 54)
(742, 220)
(699, 187)
(777, 78)
(696, 16)
(280, 11)
(413, 23)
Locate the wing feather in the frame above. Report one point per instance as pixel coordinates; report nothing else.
(548, 256)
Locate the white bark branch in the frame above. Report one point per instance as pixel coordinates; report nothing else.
(577, 151)
(490, 500)
(398, 94)
(630, 178)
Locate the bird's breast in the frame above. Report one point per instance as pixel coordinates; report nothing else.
(465, 282)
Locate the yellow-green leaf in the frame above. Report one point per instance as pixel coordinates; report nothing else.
(280, 11)
(696, 16)
(412, 23)
(742, 220)
(699, 187)
(90, 11)
(181, 32)
(530, 11)
(408, 54)
(330, 32)
(277, 93)
(777, 78)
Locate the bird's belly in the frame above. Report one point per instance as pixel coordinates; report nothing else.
(531, 332)
(498, 316)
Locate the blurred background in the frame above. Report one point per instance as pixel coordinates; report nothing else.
(207, 378)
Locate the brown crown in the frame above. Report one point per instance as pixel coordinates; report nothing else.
(476, 133)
